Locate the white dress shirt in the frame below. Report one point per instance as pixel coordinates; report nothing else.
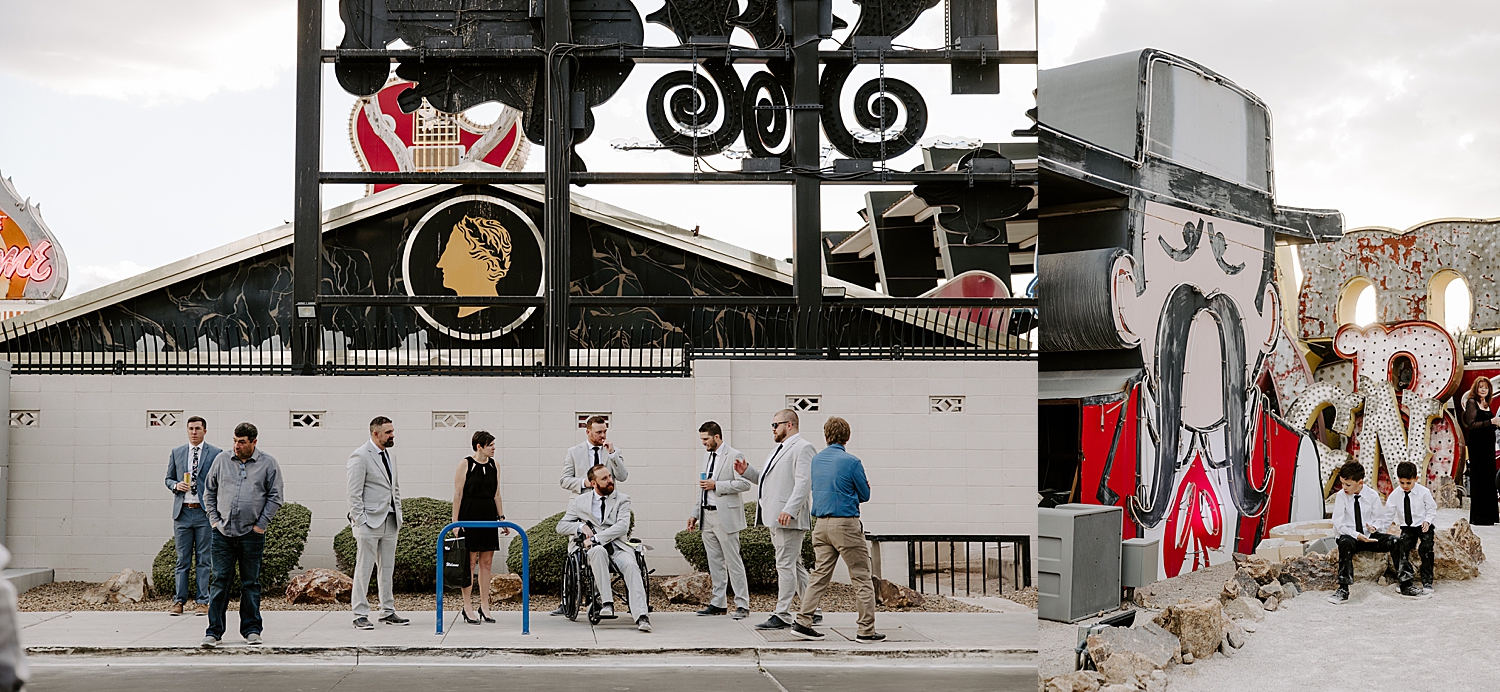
(1371, 511)
(1423, 507)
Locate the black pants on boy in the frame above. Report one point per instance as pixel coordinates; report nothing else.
(1415, 537)
(1380, 543)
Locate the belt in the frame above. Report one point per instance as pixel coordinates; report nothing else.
(711, 509)
(191, 504)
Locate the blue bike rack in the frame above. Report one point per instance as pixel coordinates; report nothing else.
(525, 568)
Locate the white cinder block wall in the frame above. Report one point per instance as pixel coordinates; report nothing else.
(88, 498)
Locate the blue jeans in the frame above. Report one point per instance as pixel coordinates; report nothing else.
(246, 552)
(190, 531)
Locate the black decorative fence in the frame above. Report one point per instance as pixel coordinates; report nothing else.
(1479, 347)
(958, 564)
(610, 340)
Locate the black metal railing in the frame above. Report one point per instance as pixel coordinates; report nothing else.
(655, 337)
(966, 564)
(1479, 347)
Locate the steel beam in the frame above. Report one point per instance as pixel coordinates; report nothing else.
(557, 223)
(307, 243)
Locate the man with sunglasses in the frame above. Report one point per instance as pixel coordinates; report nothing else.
(783, 504)
(243, 493)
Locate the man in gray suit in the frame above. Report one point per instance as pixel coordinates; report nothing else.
(603, 517)
(375, 514)
(783, 504)
(187, 466)
(595, 449)
(719, 509)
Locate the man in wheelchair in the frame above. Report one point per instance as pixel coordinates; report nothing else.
(599, 522)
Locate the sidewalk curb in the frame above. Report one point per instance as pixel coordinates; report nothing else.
(537, 654)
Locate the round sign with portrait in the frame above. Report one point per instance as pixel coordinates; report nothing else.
(474, 245)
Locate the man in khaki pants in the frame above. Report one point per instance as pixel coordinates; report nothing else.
(838, 488)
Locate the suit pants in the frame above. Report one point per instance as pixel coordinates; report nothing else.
(1415, 537)
(791, 575)
(723, 549)
(377, 545)
(192, 535)
(1382, 543)
(635, 584)
(834, 538)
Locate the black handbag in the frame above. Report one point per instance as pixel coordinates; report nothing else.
(456, 562)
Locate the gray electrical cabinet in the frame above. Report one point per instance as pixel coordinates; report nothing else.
(1138, 564)
(1078, 561)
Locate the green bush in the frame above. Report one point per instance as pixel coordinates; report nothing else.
(286, 538)
(549, 550)
(416, 544)
(755, 548)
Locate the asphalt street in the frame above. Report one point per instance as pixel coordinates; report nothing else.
(596, 675)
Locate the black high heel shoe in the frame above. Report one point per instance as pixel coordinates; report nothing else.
(468, 619)
(485, 617)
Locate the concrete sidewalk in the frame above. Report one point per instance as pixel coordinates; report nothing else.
(1001, 637)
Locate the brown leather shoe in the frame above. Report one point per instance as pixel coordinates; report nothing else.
(176, 609)
(202, 609)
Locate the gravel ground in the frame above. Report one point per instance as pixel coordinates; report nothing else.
(1026, 597)
(68, 596)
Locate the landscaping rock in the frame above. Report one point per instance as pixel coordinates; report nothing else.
(1445, 492)
(1123, 652)
(1456, 552)
(1312, 572)
(1187, 659)
(1156, 683)
(893, 595)
(1119, 688)
(1272, 603)
(1245, 609)
(697, 588)
(1198, 625)
(1234, 634)
(1248, 586)
(1076, 681)
(1263, 571)
(1269, 590)
(128, 586)
(320, 585)
(505, 588)
(1367, 566)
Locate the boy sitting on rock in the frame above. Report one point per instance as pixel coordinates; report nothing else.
(1412, 508)
(1357, 510)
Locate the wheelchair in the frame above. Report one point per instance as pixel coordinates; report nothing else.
(578, 591)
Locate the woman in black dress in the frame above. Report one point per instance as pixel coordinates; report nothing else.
(1479, 437)
(476, 497)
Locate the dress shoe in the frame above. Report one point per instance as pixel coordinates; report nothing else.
(201, 609)
(807, 633)
(867, 638)
(176, 609)
(773, 623)
(607, 610)
(394, 619)
(713, 610)
(740, 614)
(559, 611)
(363, 623)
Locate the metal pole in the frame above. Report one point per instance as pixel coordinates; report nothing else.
(556, 228)
(807, 219)
(307, 243)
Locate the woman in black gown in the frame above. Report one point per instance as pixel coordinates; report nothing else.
(1479, 437)
(476, 497)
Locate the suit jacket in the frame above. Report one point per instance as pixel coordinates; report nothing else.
(584, 510)
(371, 495)
(785, 484)
(727, 492)
(180, 461)
(580, 458)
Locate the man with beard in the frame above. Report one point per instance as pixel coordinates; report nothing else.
(375, 515)
(603, 517)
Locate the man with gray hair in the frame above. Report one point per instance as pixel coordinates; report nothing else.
(243, 493)
(375, 516)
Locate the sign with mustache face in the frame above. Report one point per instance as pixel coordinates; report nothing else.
(474, 245)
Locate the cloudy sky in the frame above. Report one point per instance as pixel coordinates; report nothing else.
(1385, 110)
(151, 131)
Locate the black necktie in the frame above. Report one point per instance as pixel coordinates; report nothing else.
(1408, 509)
(195, 462)
(761, 491)
(1359, 522)
(711, 457)
(601, 511)
(596, 456)
(388, 478)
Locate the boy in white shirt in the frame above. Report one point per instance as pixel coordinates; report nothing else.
(1357, 511)
(1412, 508)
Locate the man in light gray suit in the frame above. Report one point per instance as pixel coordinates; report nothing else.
(595, 449)
(187, 466)
(719, 509)
(784, 504)
(375, 514)
(603, 517)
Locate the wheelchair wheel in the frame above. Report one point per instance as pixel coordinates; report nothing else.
(572, 587)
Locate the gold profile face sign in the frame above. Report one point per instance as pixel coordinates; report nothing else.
(474, 245)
